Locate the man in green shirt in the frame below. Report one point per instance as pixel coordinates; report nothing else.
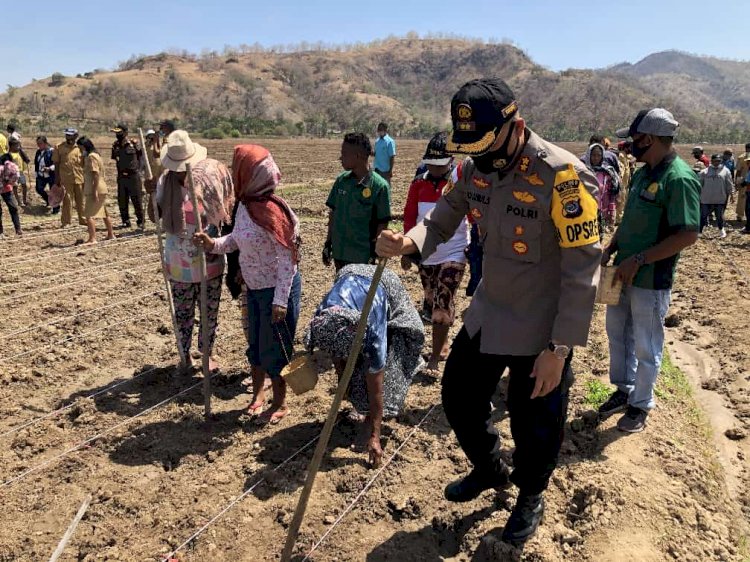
(661, 218)
(360, 206)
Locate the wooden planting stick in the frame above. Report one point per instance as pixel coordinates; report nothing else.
(159, 241)
(205, 328)
(320, 449)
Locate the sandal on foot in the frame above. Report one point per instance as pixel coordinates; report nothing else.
(255, 409)
(272, 416)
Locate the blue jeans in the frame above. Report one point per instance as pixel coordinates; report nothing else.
(635, 329)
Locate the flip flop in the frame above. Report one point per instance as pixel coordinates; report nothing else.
(272, 417)
(255, 409)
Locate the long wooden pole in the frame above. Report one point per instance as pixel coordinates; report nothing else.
(71, 529)
(160, 242)
(312, 471)
(205, 327)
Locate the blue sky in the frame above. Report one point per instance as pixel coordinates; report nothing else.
(557, 34)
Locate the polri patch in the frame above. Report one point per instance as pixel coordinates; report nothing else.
(476, 213)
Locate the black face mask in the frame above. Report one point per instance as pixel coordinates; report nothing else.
(496, 161)
(120, 136)
(638, 151)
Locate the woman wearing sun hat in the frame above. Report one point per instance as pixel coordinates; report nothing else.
(214, 190)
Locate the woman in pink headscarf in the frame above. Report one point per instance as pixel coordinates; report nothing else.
(266, 233)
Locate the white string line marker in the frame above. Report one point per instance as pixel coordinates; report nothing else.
(95, 394)
(54, 252)
(237, 500)
(70, 247)
(78, 336)
(51, 232)
(75, 283)
(367, 486)
(90, 440)
(35, 259)
(78, 272)
(84, 313)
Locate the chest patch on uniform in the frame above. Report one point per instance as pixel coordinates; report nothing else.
(524, 197)
(366, 192)
(524, 164)
(519, 230)
(520, 247)
(522, 212)
(534, 179)
(481, 183)
(478, 197)
(476, 213)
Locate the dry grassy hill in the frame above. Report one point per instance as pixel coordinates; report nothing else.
(407, 82)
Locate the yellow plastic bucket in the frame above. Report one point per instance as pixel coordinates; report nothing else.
(301, 374)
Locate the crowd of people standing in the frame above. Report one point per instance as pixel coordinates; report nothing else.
(527, 219)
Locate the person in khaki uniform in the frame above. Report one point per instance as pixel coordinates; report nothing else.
(68, 162)
(623, 156)
(536, 207)
(740, 173)
(94, 190)
(152, 150)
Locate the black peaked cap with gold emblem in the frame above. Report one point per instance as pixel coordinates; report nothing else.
(478, 111)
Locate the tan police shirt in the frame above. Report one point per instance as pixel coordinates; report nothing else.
(542, 251)
(741, 170)
(68, 162)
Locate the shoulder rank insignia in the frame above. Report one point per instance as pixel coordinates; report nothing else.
(524, 164)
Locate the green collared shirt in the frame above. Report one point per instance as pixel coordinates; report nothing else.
(662, 201)
(358, 207)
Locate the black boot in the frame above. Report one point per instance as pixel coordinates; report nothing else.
(477, 481)
(524, 519)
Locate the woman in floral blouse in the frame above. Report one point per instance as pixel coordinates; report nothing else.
(266, 233)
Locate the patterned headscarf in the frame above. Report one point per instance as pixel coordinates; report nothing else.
(256, 177)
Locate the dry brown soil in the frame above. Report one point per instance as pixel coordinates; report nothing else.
(76, 320)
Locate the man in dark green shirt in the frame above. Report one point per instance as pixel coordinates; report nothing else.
(360, 206)
(661, 218)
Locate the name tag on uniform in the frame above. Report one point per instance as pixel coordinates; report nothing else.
(649, 193)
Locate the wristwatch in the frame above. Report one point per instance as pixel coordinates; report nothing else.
(560, 351)
(640, 259)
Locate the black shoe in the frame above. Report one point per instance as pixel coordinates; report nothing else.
(125, 224)
(617, 402)
(477, 481)
(55, 210)
(745, 231)
(141, 226)
(634, 420)
(524, 519)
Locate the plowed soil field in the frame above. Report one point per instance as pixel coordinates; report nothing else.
(92, 406)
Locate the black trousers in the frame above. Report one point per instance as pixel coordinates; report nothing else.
(129, 189)
(469, 381)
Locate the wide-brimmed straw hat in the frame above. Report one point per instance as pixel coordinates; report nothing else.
(180, 151)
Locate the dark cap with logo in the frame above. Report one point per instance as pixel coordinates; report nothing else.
(436, 155)
(120, 128)
(478, 111)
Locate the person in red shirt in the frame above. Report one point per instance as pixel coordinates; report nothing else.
(442, 272)
(700, 156)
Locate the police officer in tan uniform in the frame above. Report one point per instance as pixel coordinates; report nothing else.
(127, 154)
(536, 208)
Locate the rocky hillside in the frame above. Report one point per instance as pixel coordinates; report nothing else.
(407, 82)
